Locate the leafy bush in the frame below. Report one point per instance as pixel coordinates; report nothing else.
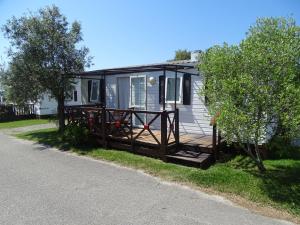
(6, 112)
(281, 148)
(76, 135)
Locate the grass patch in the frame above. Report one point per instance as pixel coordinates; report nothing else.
(279, 187)
(23, 123)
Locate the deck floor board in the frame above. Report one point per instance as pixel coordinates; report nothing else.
(200, 140)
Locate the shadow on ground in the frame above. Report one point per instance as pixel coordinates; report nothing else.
(281, 181)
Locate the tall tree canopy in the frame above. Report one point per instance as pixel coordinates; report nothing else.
(254, 87)
(182, 55)
(43, 50)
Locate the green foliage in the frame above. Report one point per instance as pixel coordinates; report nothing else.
(281, 148)
(182, 54)
(43, 49)
(76, 135)
(254, 87)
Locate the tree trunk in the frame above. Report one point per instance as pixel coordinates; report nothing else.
(256, 158)
(61, 112)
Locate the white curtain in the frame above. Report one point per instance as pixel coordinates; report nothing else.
(171, 89)
(95, 90)
(138, 91)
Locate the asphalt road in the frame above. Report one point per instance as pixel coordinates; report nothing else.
(40, 186)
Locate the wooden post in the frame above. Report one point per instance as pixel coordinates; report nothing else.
(164, 135)
(164, 95)
(103, 123)
(68, 115)
(104, 80)
(175, 101)
(131, 131)
(81, 120)
(219, 139)
(177, 127)
(214, 142)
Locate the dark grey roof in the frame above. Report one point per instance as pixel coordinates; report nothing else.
(179, 66)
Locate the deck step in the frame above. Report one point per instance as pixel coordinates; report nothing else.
(195, 147)
(191, 158)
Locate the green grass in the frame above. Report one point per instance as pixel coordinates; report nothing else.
(22, 123)
(279, 187)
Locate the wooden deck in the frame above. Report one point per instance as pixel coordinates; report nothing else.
(193, 150)
(198, 140)
(145, 137)
(202, 141)
(114, 128)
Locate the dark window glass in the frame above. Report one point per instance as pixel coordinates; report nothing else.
(75, 96)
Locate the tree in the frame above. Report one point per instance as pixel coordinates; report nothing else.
(254, 87)
(43, 51)
(1, 85)
(182, 55)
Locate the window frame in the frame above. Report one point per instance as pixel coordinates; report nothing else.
(98, 91)
(180, 90)
(68, 96)
(145, 84)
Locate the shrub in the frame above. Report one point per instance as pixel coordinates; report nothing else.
(281, 148)
(76, 135)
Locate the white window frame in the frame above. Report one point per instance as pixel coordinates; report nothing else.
(178, 94)
(98, 93)
(145, 83)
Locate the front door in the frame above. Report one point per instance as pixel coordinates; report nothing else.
(123, 92)
(138, 97)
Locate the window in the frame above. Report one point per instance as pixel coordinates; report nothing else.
(68, 96)
(94, 97)
(170, 90)
(138, 91)
(75, 96)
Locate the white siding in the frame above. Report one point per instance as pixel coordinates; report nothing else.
(77, 87)
(193, 118)
(46, 106)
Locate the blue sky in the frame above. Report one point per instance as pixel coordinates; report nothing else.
(132, 32)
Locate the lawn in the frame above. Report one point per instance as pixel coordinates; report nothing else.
(279, 187)
(22, 123)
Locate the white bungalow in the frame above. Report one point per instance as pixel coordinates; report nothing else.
(149, 109)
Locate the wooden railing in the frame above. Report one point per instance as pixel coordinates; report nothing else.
(156, 129)
(13, 112)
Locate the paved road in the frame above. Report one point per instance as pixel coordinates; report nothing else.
(41, 186)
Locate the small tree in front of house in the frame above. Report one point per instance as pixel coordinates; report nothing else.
(44, 49)
(182, 55)
(254, 87)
